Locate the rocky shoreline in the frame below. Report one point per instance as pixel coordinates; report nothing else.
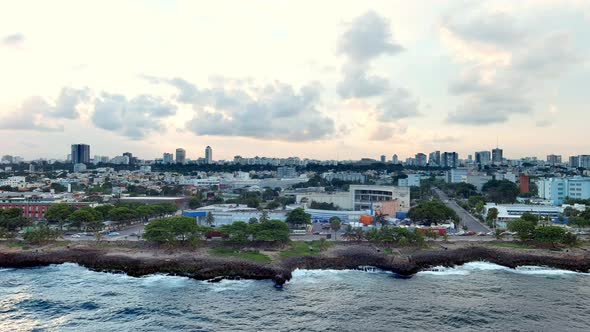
(203, 267)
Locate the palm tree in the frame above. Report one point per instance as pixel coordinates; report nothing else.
(335, 226)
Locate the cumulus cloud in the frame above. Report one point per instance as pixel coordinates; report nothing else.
(386, 131)
(273, 111)
(134, 118)
(397, 104)
(358, 83)
(30, 116)
(367, 37)
(489, 108)
(13, 40)
(68, 101)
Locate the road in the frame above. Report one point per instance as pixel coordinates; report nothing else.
(467, 219)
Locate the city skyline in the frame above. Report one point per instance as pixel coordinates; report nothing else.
(370, 78)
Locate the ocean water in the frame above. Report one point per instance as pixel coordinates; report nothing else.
(473, 297)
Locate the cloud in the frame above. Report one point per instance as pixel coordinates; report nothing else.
(358, 83)
(275, 111)
(30, 116)
(134, 118)
(496, 28)
(67, 103)
(368, 37)
(397, 104)
(14, 40)
(386, 131)
(489, 108)
(503, 64)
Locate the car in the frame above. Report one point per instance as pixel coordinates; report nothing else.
(113, 234)
(133, 234)
(76, 236)
(316, 233)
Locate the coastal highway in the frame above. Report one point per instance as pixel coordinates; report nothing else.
(467, 219)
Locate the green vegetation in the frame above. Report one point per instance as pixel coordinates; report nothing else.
(298, 217)
(335, 224)
(41, 234)
(11, 221)
(395, 236)
(173, 230)
(300, 248)
(500, 192)
(432, 212)
(527, 230)
(250, 255)
(323, 206)
(59, 213)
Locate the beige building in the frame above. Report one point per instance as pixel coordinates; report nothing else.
(361, 197)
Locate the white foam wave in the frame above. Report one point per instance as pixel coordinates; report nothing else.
(228, 285)
(474, 267)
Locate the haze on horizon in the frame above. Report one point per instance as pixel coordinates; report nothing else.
(346, 79)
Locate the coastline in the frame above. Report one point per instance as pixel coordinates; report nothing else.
(197, 264)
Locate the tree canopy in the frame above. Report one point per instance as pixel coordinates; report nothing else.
(432, 212)
(501, 192)
(298, 217)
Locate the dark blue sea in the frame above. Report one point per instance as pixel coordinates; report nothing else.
(473, 297)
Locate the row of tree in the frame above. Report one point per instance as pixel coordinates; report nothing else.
(432, 212)
(177, 230)
(528, 230)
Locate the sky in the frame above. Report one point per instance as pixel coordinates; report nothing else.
(314, 79)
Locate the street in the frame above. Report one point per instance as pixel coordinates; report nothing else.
(467, 219)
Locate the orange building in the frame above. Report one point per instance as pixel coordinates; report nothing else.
(525, 183)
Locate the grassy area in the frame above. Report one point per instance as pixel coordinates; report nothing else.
(250, 255)
(516, 245)
(301, 248)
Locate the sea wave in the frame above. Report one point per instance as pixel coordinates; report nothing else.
(475, 267)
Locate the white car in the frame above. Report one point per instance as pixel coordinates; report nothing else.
(76, 236)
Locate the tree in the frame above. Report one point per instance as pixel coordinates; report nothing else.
(524, 229)
(323, 206)
(252, 221)
(238, 232)
(104, 210)
(501, 192)
(335, 224)
(380, 219)
(84, 216)
(273, 205)
(194, 202)
(549, 234)
(492, 216)
(530, 217)
(578, 222)
(210, 219)
(41, 234)
(298, 217)
(264, 216)
(271, 230)
(571, 212)
(59, 213)
(432, 212)
(122, 214)
(171, 230)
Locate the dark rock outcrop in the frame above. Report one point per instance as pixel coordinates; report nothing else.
(347, 257)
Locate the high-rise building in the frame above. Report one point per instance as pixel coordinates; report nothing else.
(525, 182)
(575, 161)
(180, 156)
(80, 153)
(286, 172)
(420, 159)
(132, 160)
(383, 158)
(553, 159)
(434, 158)
(394, 159)
(450, 159)
(584, 161)
(497, 155)
(167, 158)
(483, 158)
(208, 155)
